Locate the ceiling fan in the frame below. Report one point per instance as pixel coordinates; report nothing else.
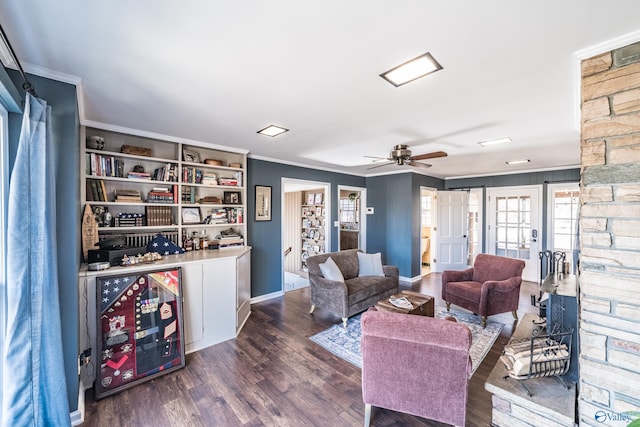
(401, 155)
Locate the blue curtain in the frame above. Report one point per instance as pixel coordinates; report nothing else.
(34, 386)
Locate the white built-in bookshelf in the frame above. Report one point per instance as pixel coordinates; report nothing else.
(154, 185)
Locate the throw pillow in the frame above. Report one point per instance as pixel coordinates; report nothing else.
(330, 270)
(370, 264)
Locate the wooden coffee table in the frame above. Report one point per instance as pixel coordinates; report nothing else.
(423, 304)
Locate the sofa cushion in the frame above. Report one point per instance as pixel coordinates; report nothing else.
(361, 288)
(330, 270)
(465, 290)
(370, 264)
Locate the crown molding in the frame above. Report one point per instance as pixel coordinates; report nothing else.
(559, 168)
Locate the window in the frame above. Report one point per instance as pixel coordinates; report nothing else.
(348, 210)
(425, 208)
(563, 216)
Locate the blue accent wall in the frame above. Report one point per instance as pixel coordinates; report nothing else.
(265, 237)
(65, 131)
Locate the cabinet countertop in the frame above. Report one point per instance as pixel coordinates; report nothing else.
(169, 261)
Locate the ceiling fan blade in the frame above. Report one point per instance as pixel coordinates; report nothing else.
(419, 165)
(380, 165)
(433, 155)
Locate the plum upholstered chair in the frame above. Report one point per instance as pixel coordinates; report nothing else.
(491, 286)
(415, 364)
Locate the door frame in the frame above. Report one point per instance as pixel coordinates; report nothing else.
(434, 227)
(362, 232)
(304, 184)
(490, 234)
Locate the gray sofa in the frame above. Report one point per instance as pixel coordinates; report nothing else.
(355, 294)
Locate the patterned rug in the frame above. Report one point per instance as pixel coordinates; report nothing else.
(345, 343)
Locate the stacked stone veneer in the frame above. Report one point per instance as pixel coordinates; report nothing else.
(609, 385)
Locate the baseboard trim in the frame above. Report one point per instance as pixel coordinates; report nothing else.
(267, 297)
(77, 416)
(409, 279)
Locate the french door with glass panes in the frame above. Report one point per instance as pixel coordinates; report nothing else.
(514, 230)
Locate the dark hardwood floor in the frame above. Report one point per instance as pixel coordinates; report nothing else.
(274, 375)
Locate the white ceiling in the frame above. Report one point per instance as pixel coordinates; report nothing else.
(218, 71)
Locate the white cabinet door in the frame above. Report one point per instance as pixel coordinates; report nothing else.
(243, 294)
(219, 296)
(192, 309)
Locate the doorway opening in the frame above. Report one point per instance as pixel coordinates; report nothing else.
(352, 218)
(427, 228)
(306, 219)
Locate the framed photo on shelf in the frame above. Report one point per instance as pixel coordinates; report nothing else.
(318, 211)
(190, 156)
(140, 332)
(311, 198)
(232, 198)
(318, 199)
(263, 203)
(191, 216)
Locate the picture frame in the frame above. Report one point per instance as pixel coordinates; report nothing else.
(318, 211)
(318, 198)
(263, 203)
(232, 198)
(140, 330)
(311, 198)
(191, 216)
(190, 156)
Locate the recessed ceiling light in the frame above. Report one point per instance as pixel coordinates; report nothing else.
(517, 162)
(411, 70)
(495, 142)
(272, 130)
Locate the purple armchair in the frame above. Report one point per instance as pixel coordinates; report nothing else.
(415, 364)
(491, 286)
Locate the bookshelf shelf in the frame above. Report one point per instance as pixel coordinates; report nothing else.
(107, 175)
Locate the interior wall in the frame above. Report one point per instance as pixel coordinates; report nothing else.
(265, 237)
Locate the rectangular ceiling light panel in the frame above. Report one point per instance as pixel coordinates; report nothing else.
(273, 130)
(412, 70)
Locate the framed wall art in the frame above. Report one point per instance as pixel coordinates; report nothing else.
(140, 328)
(232, 198)
(191, 216)
(190, 156)
(263, 203)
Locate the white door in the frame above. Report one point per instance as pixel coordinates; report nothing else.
(452, 231)
(514, 229)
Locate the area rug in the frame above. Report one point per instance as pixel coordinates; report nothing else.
(345, 342)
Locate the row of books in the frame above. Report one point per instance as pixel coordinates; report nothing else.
(225, 216)
(100, 165)
(230, 241)
(159, 215)
(96, 191)
(167, 173)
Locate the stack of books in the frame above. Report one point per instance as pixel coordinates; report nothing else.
(161, 195)
(209, 178)
(229, 239)
(229, 182)
(191, 175)
(230, 242)
(128, 196)
(219, 216)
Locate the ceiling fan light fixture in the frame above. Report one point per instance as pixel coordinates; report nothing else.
(411, 70)
(494, 142)
(518, 162)
(272, 130)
